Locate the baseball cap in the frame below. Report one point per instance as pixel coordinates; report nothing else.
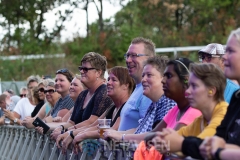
(213, 48)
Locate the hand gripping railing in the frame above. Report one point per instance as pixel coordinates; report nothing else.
(19, 143)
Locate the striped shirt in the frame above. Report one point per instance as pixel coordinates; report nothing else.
(155, 113)
(62, 103)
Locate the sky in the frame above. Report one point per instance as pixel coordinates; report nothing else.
(77, 25)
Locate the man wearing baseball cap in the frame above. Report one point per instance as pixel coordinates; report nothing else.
(213, 53)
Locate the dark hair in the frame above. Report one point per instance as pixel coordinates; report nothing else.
(159, 62)
(123, 76)
(97, 61)
(3, 97)
(212, 76)
(181, 68)
(149, 46)
(68, 74)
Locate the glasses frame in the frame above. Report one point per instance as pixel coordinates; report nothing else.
(41, 90)
(209, 57)
(133, 56)
(50, 91)
(84, 69)
(23, 95)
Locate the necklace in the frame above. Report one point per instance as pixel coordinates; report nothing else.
(180, 114)
(115, 112)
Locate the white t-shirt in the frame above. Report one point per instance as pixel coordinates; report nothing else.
(24, 108)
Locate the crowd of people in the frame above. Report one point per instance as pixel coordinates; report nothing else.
(162, 106)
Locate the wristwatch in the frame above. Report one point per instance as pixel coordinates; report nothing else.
(15, 120)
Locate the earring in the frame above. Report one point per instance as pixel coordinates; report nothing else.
(185, 81)
(210, 91)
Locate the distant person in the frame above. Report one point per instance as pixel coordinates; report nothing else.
(9, 92)
(213, 53)
(25, 106)
(23, 92)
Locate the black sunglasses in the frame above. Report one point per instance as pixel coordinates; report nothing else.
(50, 91)
(64, 70)
(22, 95)
(41, 90)
(84, 69)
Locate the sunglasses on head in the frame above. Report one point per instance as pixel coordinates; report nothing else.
(10, 91)
(64, 70)
(22, 95)
(41, 90)
(84, 69)
(50, 91)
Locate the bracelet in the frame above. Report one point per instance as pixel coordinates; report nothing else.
(62, 127)
(71, 134)
(217, 153)
(62, 131)
(66, 130)
(123, 135)
(75, 127)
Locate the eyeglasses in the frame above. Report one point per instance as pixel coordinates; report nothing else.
(50, 91)
(84, 69)
(64, 70)
(133, 56)
(41, 90)
(22, 95)
(207, 56)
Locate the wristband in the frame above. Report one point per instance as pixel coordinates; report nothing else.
(71, 134)
(217, 153)
(66, 130)
(123, 135)
(62, 127)
(62, 131)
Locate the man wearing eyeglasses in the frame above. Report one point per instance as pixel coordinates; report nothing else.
(135, 108)
(213, 53)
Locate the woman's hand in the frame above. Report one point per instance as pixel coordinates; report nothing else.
(39, 130)
(27, 122)
(113, 134)
(9, 114)
(217, 142)
(205, 148)
(77, 139)
(57, 119)
(56, 132)
(60, 138)
(169, 140)
(65, 143)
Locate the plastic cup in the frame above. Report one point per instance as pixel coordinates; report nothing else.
(103, 124)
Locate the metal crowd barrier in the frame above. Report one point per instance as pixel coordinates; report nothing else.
(20, 143)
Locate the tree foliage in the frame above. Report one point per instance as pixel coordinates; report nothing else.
(168, 23)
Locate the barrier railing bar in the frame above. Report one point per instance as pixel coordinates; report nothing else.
(30, 147)
(53, 153)
(27, 137)
(44, 149)
(8, 144)
(18, 144)
(4, 141)
(16, 136)
(60, 157)
(36, 152)
(83, 156)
